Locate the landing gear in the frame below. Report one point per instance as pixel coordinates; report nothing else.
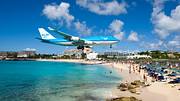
(83, 47)
(110, 46)
(87, 46)
(80, 47)
(85, 50)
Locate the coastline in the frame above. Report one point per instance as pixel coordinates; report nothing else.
(156, 91)
(81, 61)
(161, 91)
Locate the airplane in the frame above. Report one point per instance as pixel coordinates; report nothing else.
(70, 40)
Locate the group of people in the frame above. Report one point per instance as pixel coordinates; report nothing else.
(136, 68)
(133, 67)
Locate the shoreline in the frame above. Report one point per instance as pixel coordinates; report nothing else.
(157, 91)
(161, 91)
(80, 61)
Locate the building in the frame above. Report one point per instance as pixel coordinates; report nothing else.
(112, 53)
(116, 54)
(92, 56)
(125, 55)
(74, 53)
(26, 53)
(87, 50)
(136, 56)
(8, 54)
(3, 55)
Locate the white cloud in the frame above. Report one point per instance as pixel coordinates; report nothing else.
(175, 43)
(58, 12)
(29, 49)
(115, 27)
(133, 36)
(155, 46)
(119, 35)
(61, 14)
(82, 28)
(165, 25)
(103, 8)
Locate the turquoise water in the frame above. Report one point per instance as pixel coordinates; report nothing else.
(55, 81)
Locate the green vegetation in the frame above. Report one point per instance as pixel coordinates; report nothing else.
(161, 54)
(43, 56)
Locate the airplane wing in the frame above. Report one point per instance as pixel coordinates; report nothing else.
(67, 36)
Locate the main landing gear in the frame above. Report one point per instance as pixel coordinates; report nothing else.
(110, 46)
(82, 47)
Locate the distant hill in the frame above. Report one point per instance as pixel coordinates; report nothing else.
(157, 54)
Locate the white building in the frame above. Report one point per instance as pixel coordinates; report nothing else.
(92, 56)
(73, 52)
(26, 53)
(136, 56)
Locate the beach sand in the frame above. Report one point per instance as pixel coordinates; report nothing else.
(157, 91)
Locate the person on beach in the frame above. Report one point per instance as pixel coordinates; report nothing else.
(133, 68)
(130, 69)
(139, 70)
(145, 78)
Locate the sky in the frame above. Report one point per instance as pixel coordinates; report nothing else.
(140, 25)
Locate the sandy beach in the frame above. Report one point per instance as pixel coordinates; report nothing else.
(156, 91)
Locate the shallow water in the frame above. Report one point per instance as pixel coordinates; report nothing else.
(55, 81)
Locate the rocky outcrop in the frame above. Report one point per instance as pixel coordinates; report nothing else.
(124, 99)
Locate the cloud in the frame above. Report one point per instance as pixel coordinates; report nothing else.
(82, 28)
(103, 8)
(155, 45)
(58, 12)
(115, 27)
(175, 43)
(165, 25)
(61, 13)
(133, 36)
(119, 35)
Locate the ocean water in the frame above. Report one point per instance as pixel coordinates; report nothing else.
(55, 81)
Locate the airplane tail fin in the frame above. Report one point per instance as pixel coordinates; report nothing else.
(44, 34)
